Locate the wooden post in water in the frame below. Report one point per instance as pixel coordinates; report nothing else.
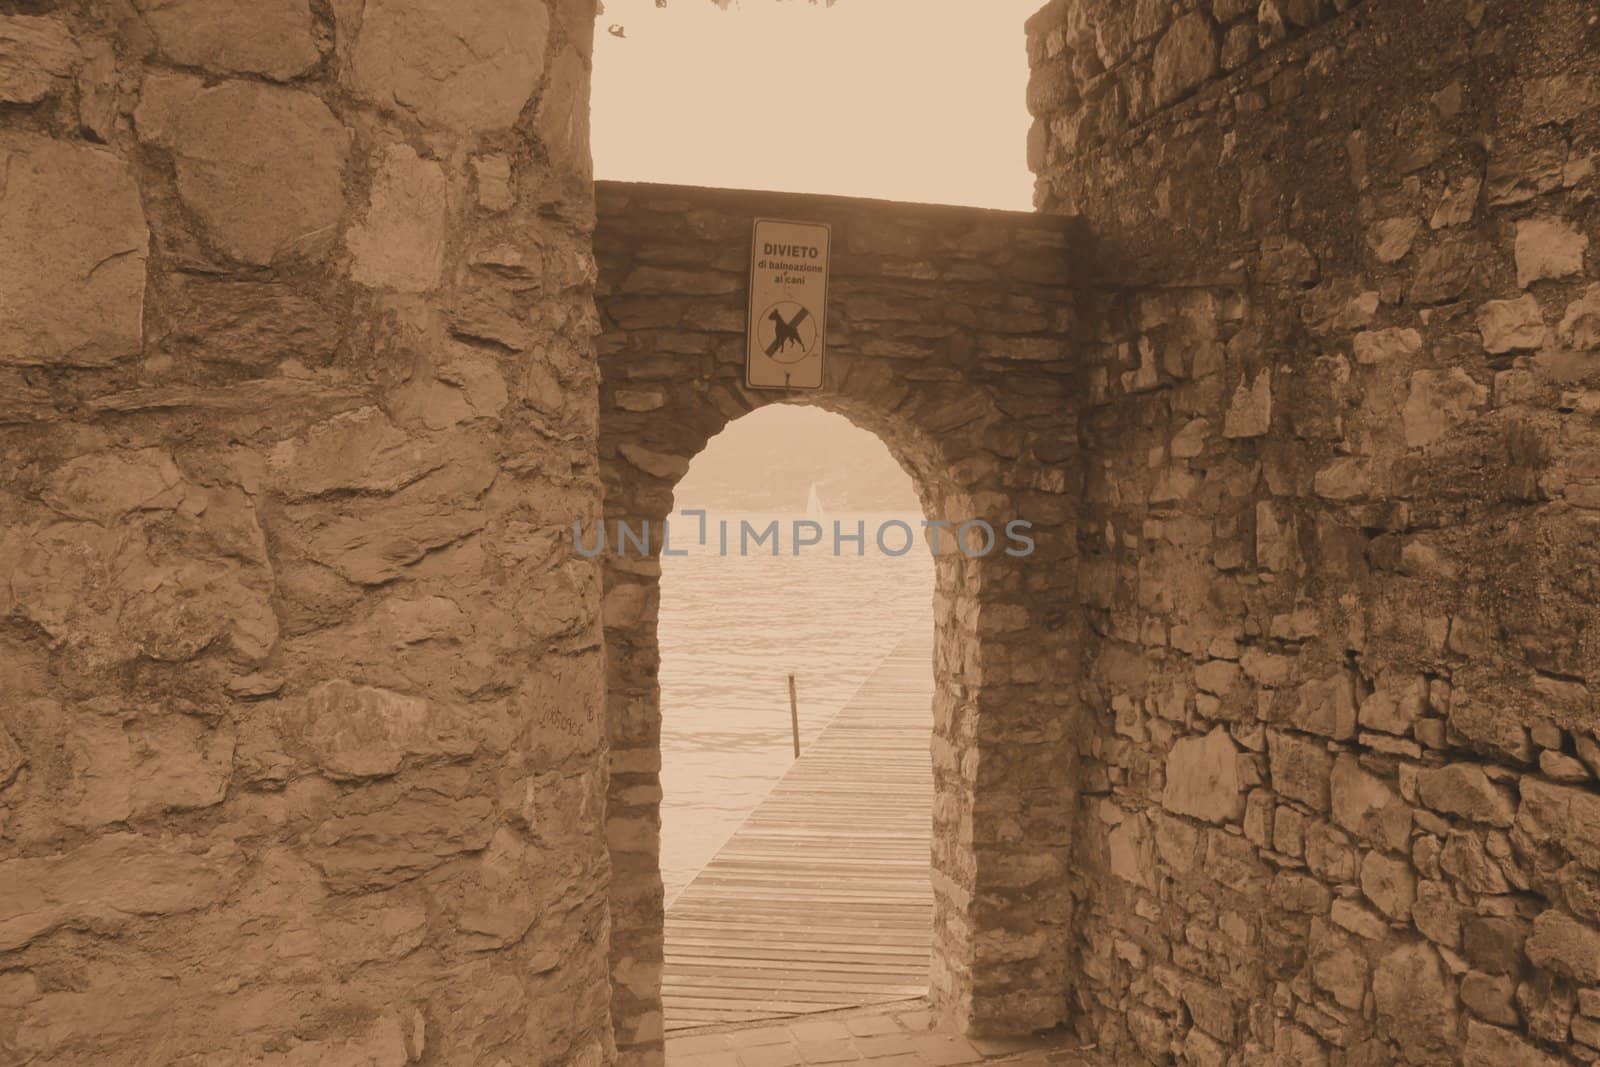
(794, 717)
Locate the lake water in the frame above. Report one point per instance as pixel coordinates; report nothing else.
(732, 630)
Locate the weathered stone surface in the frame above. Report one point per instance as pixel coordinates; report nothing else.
(1559, 767)
(1566, 816)
(1051, 87)
(1490, 1046)
(493, 174)
(1459, 203)
(1445, 271)
(1466, 860)
(271, 37)
(1348, 478)
(12, 758)
(1287, 262)
(110, 883)
(1580, 325)
(1416, 1003)
(1566, 946)
(160, 587)
(36, 56)
(469, 385)
(1548, 248)
(1488, 727)
(1437, 914)
(1391, 239)
(1337, 965)
(350, 731)
(252, 325)
(1395, 705)
(73, 245)
(1186, 57)
(178, 764)
(654, 463)
(1383, 346)
(385, 837)
(1489, 997)
(1389, 884)
(470, 65)
(1511, 325)
(1326, 707)
(358, 451)
(399, 242)
(1368, 806)
(563, 116)
(1250, 413)
(261, 167)
(1300, 768)
(1463, 789)
(1559, 97)
(1132, 851)
(1203, 778)
(1438, 402)
(298, 824)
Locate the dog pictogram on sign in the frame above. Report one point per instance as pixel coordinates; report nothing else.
(787, 332)
(788, 304)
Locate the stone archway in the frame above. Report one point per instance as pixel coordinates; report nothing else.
(948, 332)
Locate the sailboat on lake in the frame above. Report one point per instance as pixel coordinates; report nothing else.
(814, 509)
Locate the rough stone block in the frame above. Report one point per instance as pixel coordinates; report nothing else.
(270, 37)
(1389, 884)
(1580, 324)
(1437, 914)
(1300, 768)
(1566, 946)
(1326, 707)
(1438, 402)
(471, 64)
(1185, 58)
(1463, 789)
(1383, 346)
(261, 167)
(1416, 1003)
(349, 731)
(1368, 806)
(251, 325)
(1548, 248)
(37, 54)
(73, 245)
(1490, 1046)
(399, 242)
(1203, 778)
(111, 882)
(1250, 413)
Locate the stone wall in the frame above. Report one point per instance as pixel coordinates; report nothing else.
(1339, 554)
(300, 729)
(949, 335)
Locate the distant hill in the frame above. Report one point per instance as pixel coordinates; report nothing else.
(768, 460)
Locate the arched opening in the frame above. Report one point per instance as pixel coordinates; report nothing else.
(795, 837)
(982, 423)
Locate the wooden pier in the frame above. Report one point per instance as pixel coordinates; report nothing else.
(821, 899)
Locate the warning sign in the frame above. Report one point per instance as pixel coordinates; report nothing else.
(788, 304)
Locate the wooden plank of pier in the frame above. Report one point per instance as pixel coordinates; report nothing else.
(821, 899)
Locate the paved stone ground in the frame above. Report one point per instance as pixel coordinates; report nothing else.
(897, 1035)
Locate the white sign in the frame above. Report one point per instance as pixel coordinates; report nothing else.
(788, 304)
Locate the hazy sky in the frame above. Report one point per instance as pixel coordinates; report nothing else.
(901, 99)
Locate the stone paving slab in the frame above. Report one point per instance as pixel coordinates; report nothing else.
(899, 1035)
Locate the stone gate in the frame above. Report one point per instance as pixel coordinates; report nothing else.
(949, 332)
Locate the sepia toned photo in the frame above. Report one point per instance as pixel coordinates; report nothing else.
(772, 533)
